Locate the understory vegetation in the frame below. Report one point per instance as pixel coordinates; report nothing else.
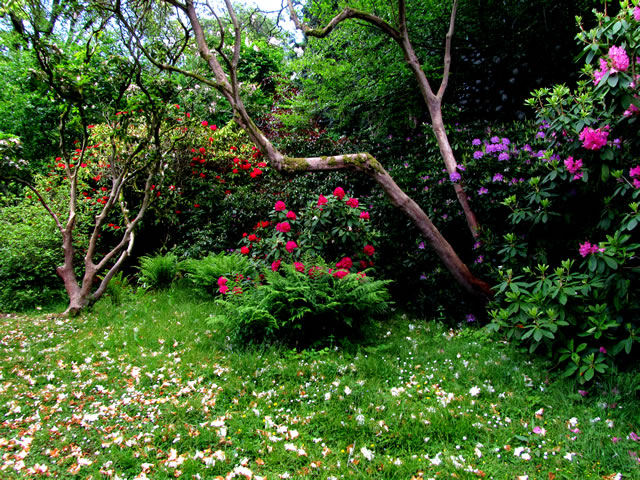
(152, 389)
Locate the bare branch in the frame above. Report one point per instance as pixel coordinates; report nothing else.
(447, 52)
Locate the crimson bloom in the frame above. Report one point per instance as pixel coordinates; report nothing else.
(291, 246)
(339, 193)
(322, 200)
(291, 215)
(283, 227)
(299, 266)
(369, 250)
(275, 265)
(353, 202)
(364, 215)
(280, 206)
(244, 250)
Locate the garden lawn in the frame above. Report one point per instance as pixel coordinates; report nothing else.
(147, 389)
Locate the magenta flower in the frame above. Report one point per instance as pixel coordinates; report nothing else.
(339, 193)
(478, 154)
(298, 266)
(483, 191)
(587, 248)
(619, 59)
(340, 273)
(603, 350)
(291, 215)
(636, 14)
(476, 142)
(498, 177)
(364, 215)
(635, 171)
(369, 250)
(353, 202)
(322, 200)
(222, 281)
(633, 436)
(594, 139)
(283, 227)
(291, 246)
(503, 156)
(573, 166)
(454, 176)
(280, 206)
(223, 289)
(275, 265)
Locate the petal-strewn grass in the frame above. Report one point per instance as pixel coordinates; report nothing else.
(148, 390)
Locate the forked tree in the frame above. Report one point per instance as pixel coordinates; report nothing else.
(221, 53)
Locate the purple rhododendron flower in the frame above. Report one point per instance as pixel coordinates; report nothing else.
(503, 156)
(495, 139)
(476, 142)
(483, 191)
(498, 177)
(454, 176)
(636, 13)
(478, 154)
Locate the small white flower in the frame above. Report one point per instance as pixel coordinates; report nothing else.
(569, 456)
(366, 453)
(474, 391)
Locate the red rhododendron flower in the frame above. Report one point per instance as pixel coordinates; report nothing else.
(299, 266)
(364, 215)
(291, 246)
(280, 206)
(222, 281)
(275, 265)
(363, 264)
(339, 192)
(345, 263)
(252, 238)
(322, 200)
(244, 250)
(213, 127)
(315, 269)
(353, 202)
(204, 123)
(223, 289)
(369, 250)
(291, 215)
(202, 149)
(340, 273)
(283, 227)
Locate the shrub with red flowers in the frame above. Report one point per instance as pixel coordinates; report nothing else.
(300, 306)
(334, 228)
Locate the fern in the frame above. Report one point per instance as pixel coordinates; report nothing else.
(158, 272)
(203, 274)
(300, 309)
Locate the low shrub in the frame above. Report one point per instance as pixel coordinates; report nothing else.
(203, 274)
(158, 272)
(300, 305)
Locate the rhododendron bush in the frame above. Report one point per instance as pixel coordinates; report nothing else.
(577, 207)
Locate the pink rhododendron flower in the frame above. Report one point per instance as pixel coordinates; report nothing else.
(369, 250)
(280, 206)
(353, 202)
(291, 246)
(222, 281)
(594, 139)
(632, 110)
(340, 273)
(339, 193)
(364, 215)
(619, 59)
(345, 263)
(635, 171)
(275, 265)
(283, 227)
(587, 248)
(636, 13)
(291, 215)
(322, 200)
(298, 266)
(223, 289)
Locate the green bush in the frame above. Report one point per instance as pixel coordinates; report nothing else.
(29, 254)
(158, 272)
(301, 305)
(203, 274)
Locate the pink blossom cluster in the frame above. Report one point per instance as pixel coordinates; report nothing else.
(573, 167)
(632, 110)
(617, 61)
(587, 248)
(634, 173)
(636, 13)
(594, 139)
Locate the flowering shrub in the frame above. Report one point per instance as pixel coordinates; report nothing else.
(578, 208)
(332, 227)
(301, 306)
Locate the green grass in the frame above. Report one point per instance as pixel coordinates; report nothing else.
(148, 388)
